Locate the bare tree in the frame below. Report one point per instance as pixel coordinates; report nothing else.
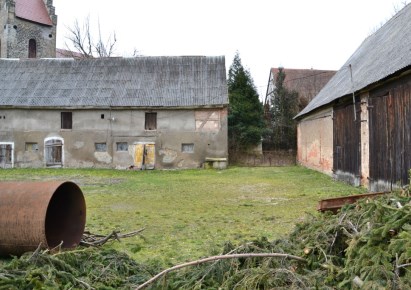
(81, 39)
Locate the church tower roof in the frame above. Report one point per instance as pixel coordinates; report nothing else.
(33, 10)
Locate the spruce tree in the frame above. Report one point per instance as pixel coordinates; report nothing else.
(245, 115)
(284, 106)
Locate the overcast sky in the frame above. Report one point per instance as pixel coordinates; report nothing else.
(318, 34)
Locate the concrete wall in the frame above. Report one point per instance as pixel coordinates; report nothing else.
(315, 141)
(15, 34)
(174, 128)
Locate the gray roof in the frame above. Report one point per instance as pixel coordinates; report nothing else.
(382, 54)
(184, 81)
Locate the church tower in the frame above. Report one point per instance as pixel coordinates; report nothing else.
(27, 29)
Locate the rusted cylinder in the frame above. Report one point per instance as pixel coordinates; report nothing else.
(34, 213)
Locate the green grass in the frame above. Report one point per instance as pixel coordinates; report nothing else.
(189, 214)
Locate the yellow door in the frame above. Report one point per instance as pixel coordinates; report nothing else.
(144, 155)
(150, 156)
(138, 155)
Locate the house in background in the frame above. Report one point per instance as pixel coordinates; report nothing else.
(306, 82)
(358, 128)
(143, 112)
(27, 29)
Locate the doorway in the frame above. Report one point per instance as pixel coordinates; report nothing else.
(53, 152)
(144, 155)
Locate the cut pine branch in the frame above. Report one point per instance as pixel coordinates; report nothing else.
(97, 240)
(221, 257)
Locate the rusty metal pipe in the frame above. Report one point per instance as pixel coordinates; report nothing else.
(34, 213)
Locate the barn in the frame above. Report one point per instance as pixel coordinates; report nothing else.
(357, 128)
(142, 113)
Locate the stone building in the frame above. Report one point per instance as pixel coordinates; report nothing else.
(27, 29)
(141, 113)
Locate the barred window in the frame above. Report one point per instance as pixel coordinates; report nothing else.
(187, 147)
(122, 146)
(101, 147)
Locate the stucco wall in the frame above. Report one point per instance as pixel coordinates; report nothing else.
(315, 141)
(174, 128)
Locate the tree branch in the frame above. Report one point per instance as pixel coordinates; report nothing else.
(221, 257)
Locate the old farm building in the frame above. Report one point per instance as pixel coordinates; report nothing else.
(306, 82)
(144, 112)
(358, 127)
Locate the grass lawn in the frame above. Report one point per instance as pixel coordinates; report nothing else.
(189, 214)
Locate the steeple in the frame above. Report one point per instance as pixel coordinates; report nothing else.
(27, 29)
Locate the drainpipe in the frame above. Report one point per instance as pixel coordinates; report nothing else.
(353, 94)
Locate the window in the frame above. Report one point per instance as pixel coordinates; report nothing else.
(32, 147)
(101, 147)
(122, 146)
(32, 48)
(66, 120)
(151, 121)
(102, 116)
(187, 147)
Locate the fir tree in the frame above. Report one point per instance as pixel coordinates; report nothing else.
(245, 116)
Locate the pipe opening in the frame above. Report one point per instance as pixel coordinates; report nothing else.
(66, 216)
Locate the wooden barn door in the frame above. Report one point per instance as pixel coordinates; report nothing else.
(347, 157)
(390, 141)
(6, 155)
(144, 155)
(53, 152)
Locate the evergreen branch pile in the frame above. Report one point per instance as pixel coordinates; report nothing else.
(86, 268)
(366, 245)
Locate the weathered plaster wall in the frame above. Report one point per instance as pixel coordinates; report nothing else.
(174, 127)
(315, 141)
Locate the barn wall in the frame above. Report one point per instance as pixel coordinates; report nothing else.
(202, 131)
(347, 154)
(390, 135)
(315, 141)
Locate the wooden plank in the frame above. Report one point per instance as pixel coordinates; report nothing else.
(336, 203)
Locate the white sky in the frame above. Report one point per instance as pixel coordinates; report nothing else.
(318, 34)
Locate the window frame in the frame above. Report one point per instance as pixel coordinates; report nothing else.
(187, 148)
(118, 147)
(32, 48)
(97, 149)
(31, 147)
(66, 119)
(150, 121)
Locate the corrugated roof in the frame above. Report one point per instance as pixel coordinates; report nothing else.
(33, 10)
(382, 54)
(64, 53)
(184, 81)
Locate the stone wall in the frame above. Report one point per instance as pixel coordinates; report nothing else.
(16, 33)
